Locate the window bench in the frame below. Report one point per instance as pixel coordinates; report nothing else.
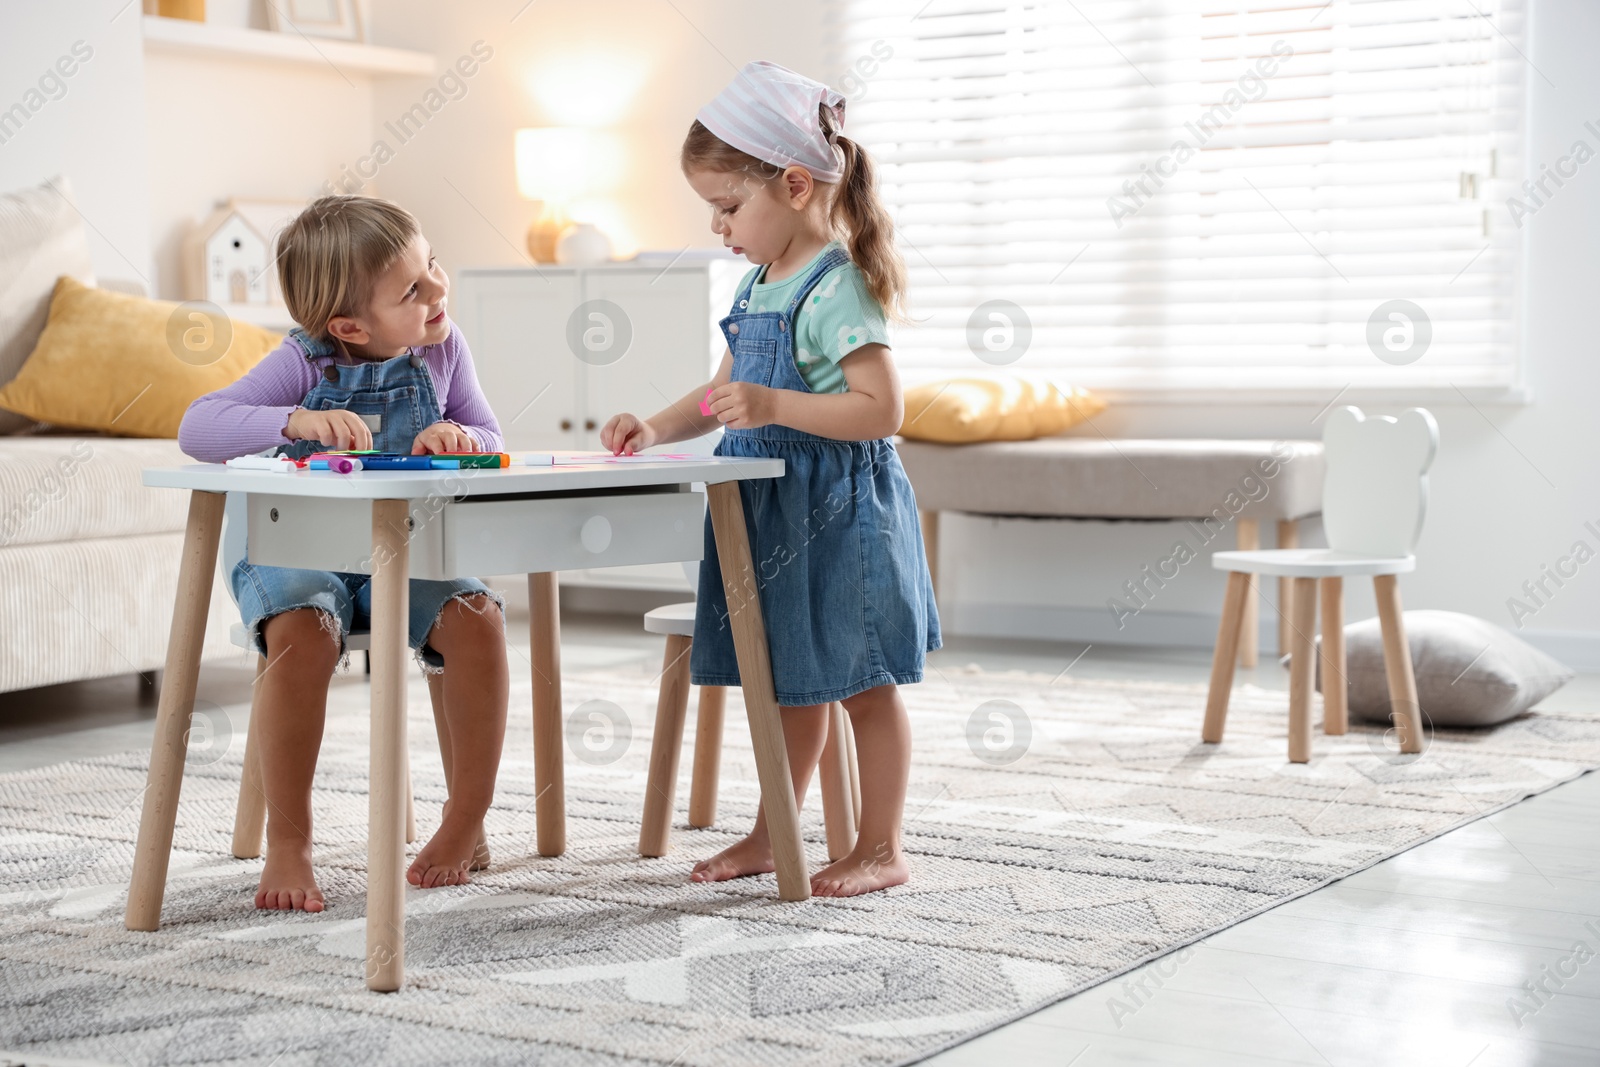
(1206, 481)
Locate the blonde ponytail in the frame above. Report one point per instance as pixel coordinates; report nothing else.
(861, 220)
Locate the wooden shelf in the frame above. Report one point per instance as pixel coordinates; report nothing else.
(199, 38)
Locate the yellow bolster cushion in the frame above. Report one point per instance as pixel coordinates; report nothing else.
(1009, 408)
(125, 365)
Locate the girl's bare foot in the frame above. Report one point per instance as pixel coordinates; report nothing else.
(750, 855)
(862, 871)
(458, 846)
(287, 883)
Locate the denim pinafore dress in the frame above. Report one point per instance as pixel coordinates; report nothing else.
(395, 397)
(840, 570)
(397, 400)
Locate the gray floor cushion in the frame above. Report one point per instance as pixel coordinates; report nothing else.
(1469, 672)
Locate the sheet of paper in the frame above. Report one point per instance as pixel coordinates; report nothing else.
(571, 459)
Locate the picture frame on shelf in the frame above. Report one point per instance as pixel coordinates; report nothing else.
(337, 20)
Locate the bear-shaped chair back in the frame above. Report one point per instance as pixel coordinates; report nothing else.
(1375, 492)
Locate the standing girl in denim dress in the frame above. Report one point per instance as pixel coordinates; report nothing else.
(375, 364)
(808, 379)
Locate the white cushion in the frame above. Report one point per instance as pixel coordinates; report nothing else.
(41, 238)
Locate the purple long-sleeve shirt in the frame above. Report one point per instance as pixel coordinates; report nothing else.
(249, 415)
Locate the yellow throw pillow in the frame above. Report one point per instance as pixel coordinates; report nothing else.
(129, 366)
(1009, 408)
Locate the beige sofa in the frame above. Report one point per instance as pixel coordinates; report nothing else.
(88, 555)
(89, 560)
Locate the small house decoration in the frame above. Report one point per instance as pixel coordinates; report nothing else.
(228, 260)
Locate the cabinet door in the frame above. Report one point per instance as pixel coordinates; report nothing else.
(664, 313)
(515, 322)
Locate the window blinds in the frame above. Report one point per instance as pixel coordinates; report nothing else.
(1199, 195)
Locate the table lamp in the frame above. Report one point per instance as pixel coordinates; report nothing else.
(553, 168)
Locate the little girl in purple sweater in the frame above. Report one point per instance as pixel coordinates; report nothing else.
(375, 364)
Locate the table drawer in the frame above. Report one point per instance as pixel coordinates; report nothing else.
(484, 535)
(490, 536)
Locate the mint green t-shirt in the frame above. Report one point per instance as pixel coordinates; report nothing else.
(837, 318)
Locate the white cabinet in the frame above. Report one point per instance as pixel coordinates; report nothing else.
(515, 325)
(668, 353)
(559, 350)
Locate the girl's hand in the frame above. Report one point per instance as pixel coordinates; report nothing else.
(338, 429)
(626, 434)
(743, 405)
(443, 437)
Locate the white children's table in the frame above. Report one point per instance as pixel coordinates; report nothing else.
(397, 525)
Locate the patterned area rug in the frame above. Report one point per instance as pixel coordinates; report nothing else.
(1061, 832)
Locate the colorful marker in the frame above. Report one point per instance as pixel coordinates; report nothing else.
(394, 461)
(473, 460)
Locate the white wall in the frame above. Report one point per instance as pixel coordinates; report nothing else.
(152, 141)
(94, 132)
(634, 69)
(245, 128)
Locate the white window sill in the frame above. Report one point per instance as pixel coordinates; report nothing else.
(1419, 395)
(1242, 387)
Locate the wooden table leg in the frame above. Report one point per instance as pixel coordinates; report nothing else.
(661, 786)
(1302, 670)
(760, 699)
(153, 849)
(1335, 686)
(1407, 712)
(1223, 656)
(1288, 537)
(1248, 533)
(838, 802)
(544, 648)
(386, 812)
(707, 756)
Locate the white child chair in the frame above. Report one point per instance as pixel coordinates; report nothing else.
(841, 783)
(1374, 498)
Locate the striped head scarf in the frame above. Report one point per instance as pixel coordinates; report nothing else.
(770, 112)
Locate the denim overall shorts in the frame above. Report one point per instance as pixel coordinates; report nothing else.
(840, 570)
(397, 400)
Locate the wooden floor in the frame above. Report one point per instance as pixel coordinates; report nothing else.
(1423, 959)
